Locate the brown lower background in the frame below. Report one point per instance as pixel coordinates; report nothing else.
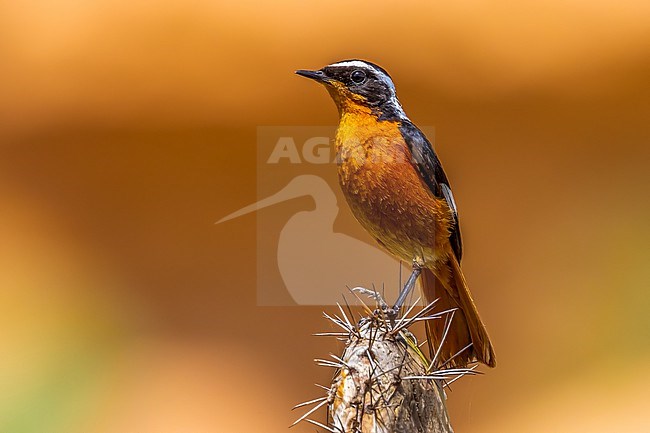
(128, 128)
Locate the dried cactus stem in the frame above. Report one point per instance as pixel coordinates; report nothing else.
(383, 383)
(379, 386)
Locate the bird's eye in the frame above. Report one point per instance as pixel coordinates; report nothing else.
(358, 76)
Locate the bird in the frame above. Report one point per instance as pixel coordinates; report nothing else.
(396, 188)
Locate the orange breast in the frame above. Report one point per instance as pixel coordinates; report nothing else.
(384, 190)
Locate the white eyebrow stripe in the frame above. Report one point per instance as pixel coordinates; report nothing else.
(362, 65)
(355, 63)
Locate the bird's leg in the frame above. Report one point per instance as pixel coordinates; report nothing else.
(406, 290)
(410, 283)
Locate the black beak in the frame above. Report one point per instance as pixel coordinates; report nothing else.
(314, 75)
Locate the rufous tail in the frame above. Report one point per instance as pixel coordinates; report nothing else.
(467, 339)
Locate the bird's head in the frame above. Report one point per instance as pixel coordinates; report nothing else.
(358, 85)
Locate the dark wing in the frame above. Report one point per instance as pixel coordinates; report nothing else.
(428, 165)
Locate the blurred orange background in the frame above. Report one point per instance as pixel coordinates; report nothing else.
(128, 128)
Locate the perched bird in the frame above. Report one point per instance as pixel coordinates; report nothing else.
(396, 188)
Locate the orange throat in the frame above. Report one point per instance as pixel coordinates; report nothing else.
(346, 101)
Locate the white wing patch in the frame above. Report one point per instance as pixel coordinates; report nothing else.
(446, 191)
